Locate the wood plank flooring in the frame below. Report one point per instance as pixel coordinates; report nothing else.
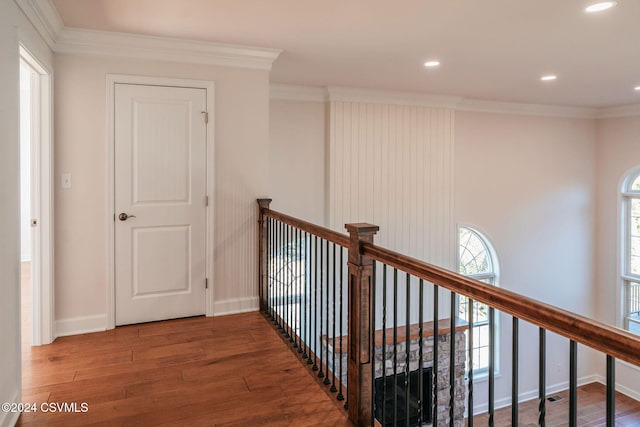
(591, 410)
(224, 371)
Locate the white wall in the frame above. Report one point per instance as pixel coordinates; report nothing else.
(297, 159)
(10, 212)
(618, 151)
(528, 184)
(241, 175)
(543, 189)
(13, 28)
(25, 163)
(392, 166)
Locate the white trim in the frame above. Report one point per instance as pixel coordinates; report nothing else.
(482, 106)
(112, 79)
(9, 419)
(43, 275)
(284, 92)
(634, 394)
(80, 325)
(211, 192)
(236, 306)
(533, 394)
(619, 111)
(623, 247)
(92, 42)
(345, 94)
(44, 17)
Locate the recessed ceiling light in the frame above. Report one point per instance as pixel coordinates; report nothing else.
(548, 78)
(600, 6)
(432, 63)
(637, 88)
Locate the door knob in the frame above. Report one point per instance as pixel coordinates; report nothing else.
(123, 216)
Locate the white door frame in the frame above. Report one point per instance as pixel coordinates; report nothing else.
(112, 80)
(42, 182)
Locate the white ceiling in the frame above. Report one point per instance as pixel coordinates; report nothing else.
(489, 49)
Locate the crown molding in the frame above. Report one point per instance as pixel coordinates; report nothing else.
(345, 94)
(91, 42)
(482, 106)
(453, 102)
(629, 110)
(44, 17)
(284, 92)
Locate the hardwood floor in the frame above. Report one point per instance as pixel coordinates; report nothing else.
(591, 410)
(223, 371)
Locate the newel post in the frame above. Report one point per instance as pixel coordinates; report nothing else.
(359, 380)
(262, 252)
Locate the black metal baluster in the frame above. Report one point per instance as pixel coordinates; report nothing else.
(573, 384)
(340, 395)
(542, 378)
(310, 315)
(270, 264)
(287, 284)
(514, 373)
(420, 358)
(322, 280)
(436, 339)
(315, 308)
(373, 344)
(333, 363)
(470, 314)
(269, 261)
(290, 285)
(284, 306)
(492, 364)
(384, 343)
(278, 312)
(297, 344)
(307, 284)
(611, 391)
(274, 287)
(327, 381)
(452, 359)
(395, 347)
(407, 349)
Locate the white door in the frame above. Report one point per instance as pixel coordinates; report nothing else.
(160, 204)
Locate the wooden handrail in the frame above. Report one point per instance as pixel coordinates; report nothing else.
(602, 337)
(322, 232)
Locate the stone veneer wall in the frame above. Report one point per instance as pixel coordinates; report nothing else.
(442, 378)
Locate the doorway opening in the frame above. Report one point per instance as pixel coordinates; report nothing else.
(36, 204)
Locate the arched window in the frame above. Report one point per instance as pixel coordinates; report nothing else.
(631, 252)
(477, 260)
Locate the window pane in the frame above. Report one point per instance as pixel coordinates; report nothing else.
(634, 298)
(474, 254)
(636, 184)
(475, 258)
(634, 256)
(635, 217)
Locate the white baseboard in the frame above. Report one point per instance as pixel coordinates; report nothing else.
(235, 306)
(634, 394)
(81, 325)
(533, 394)
(9, 419)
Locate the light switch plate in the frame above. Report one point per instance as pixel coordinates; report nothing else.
(66, 181)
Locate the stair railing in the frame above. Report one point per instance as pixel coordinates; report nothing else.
(364, 328)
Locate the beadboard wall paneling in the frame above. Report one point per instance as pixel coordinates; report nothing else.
(392, 165)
